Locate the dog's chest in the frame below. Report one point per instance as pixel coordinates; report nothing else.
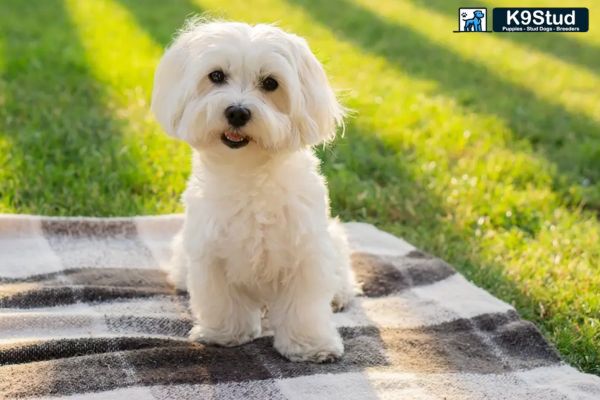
(263, 237)
(262, 233)
(259, 227)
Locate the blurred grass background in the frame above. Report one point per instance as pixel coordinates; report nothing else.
(483, 149)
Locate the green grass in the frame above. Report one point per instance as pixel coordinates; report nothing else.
(482, 149)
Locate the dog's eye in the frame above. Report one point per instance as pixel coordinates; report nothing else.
(269, 84)
(217, 76)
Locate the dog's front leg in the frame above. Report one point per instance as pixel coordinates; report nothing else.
(222, 313)
(301, 318)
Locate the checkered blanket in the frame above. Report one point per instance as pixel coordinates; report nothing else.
(86, 313)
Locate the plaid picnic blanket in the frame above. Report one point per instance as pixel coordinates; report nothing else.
(86, 313)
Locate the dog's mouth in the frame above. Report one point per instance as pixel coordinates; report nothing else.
(234, 140)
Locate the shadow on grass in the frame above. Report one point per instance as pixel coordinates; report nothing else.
(560, 46)
(66, 154)
(161, 19)
(571, 141)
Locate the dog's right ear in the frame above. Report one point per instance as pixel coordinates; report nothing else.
(168, 94)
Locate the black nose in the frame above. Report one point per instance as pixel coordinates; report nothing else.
(237, 116)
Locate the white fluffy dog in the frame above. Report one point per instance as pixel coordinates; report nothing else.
(251, 101)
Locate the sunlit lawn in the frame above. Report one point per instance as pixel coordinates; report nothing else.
(482, 149)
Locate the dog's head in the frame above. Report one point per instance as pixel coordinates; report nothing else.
(478, 14)
(235, 85)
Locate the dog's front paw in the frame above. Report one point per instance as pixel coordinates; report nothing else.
(324, 351)
(210, 336)
(319, 357)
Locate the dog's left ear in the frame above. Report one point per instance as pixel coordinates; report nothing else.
(321, 113)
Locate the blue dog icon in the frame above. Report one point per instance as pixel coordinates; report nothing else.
(473, 24)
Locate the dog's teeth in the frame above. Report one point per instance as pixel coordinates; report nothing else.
(234, 137)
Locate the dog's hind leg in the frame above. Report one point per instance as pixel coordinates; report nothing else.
(347, 287)
(177, 268)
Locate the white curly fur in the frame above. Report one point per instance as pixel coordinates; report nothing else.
(257, 230)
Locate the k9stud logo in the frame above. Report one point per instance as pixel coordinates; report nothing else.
(524, 19)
